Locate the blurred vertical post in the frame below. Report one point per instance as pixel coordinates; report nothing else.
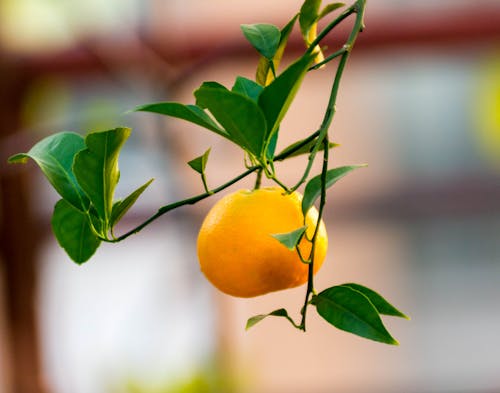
(19, 236)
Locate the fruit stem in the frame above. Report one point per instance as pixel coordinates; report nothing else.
(258, 180)
(310, 268)
(358, 8)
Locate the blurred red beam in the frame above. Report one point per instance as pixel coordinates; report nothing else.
(471, 25)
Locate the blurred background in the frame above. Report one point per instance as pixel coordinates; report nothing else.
(419, 102)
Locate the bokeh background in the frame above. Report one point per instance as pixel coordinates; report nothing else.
(419, 102)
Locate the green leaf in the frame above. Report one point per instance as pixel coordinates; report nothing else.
(290, 239)
(239, 115)
(351, 311)
(277, 96)
(264, 74)
(294, 150)
(96, 168)
(121, 207)
(54, 155)
(313, 187)
(329, 8)
(308, 20)
(276, 313)
(199, 163)
(73, 232)
(263, 37)
(247, 87)
(382, 305)
(271, 147)
(191, 113)
(308, 17)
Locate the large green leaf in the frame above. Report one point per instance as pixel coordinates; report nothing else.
(313, 187)
(264, 74)
(96, 168)
(247, 87)
(277, 96)
(73, 232)
(239, 115)
(381, 304)
(276, 313)
(263, 37)
(191, 113)
(121, 207)
(54, 155)
(351, 311)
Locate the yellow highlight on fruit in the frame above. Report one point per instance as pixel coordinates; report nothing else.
(239, 256)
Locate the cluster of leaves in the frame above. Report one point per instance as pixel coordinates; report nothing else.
(84, 171)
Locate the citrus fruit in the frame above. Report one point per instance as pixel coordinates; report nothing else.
(239, 256)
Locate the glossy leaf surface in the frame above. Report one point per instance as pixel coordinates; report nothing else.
(239, 115)
(381, 304)
(277, 96)
(263, 37)
(96, 168)
(199, 163)
(313, 187)
(73, 232)
(276, 313)
(299, 148)
(54, 155)
(264, 74)
(351, 311)
(291, 239)
(191, 113)
(121, 207)
(247, 87)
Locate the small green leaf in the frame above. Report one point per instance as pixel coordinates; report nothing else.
(308, 16)
(239, 115)
(351, 311)
(247, 87)
(277, 96)
(191, 113)
(263, 37)
(96, 168)
(264, 74)
(329, 8)
(54, 155)
(199, 163)
(294, 150)
(313, 187)
(73, 232)
(382, 305)
(276, 313)
(121, 207)
(291, 239)
(308, 20)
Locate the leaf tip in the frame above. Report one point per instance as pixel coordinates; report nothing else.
(20, 158)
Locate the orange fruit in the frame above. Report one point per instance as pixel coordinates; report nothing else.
(239, 256)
